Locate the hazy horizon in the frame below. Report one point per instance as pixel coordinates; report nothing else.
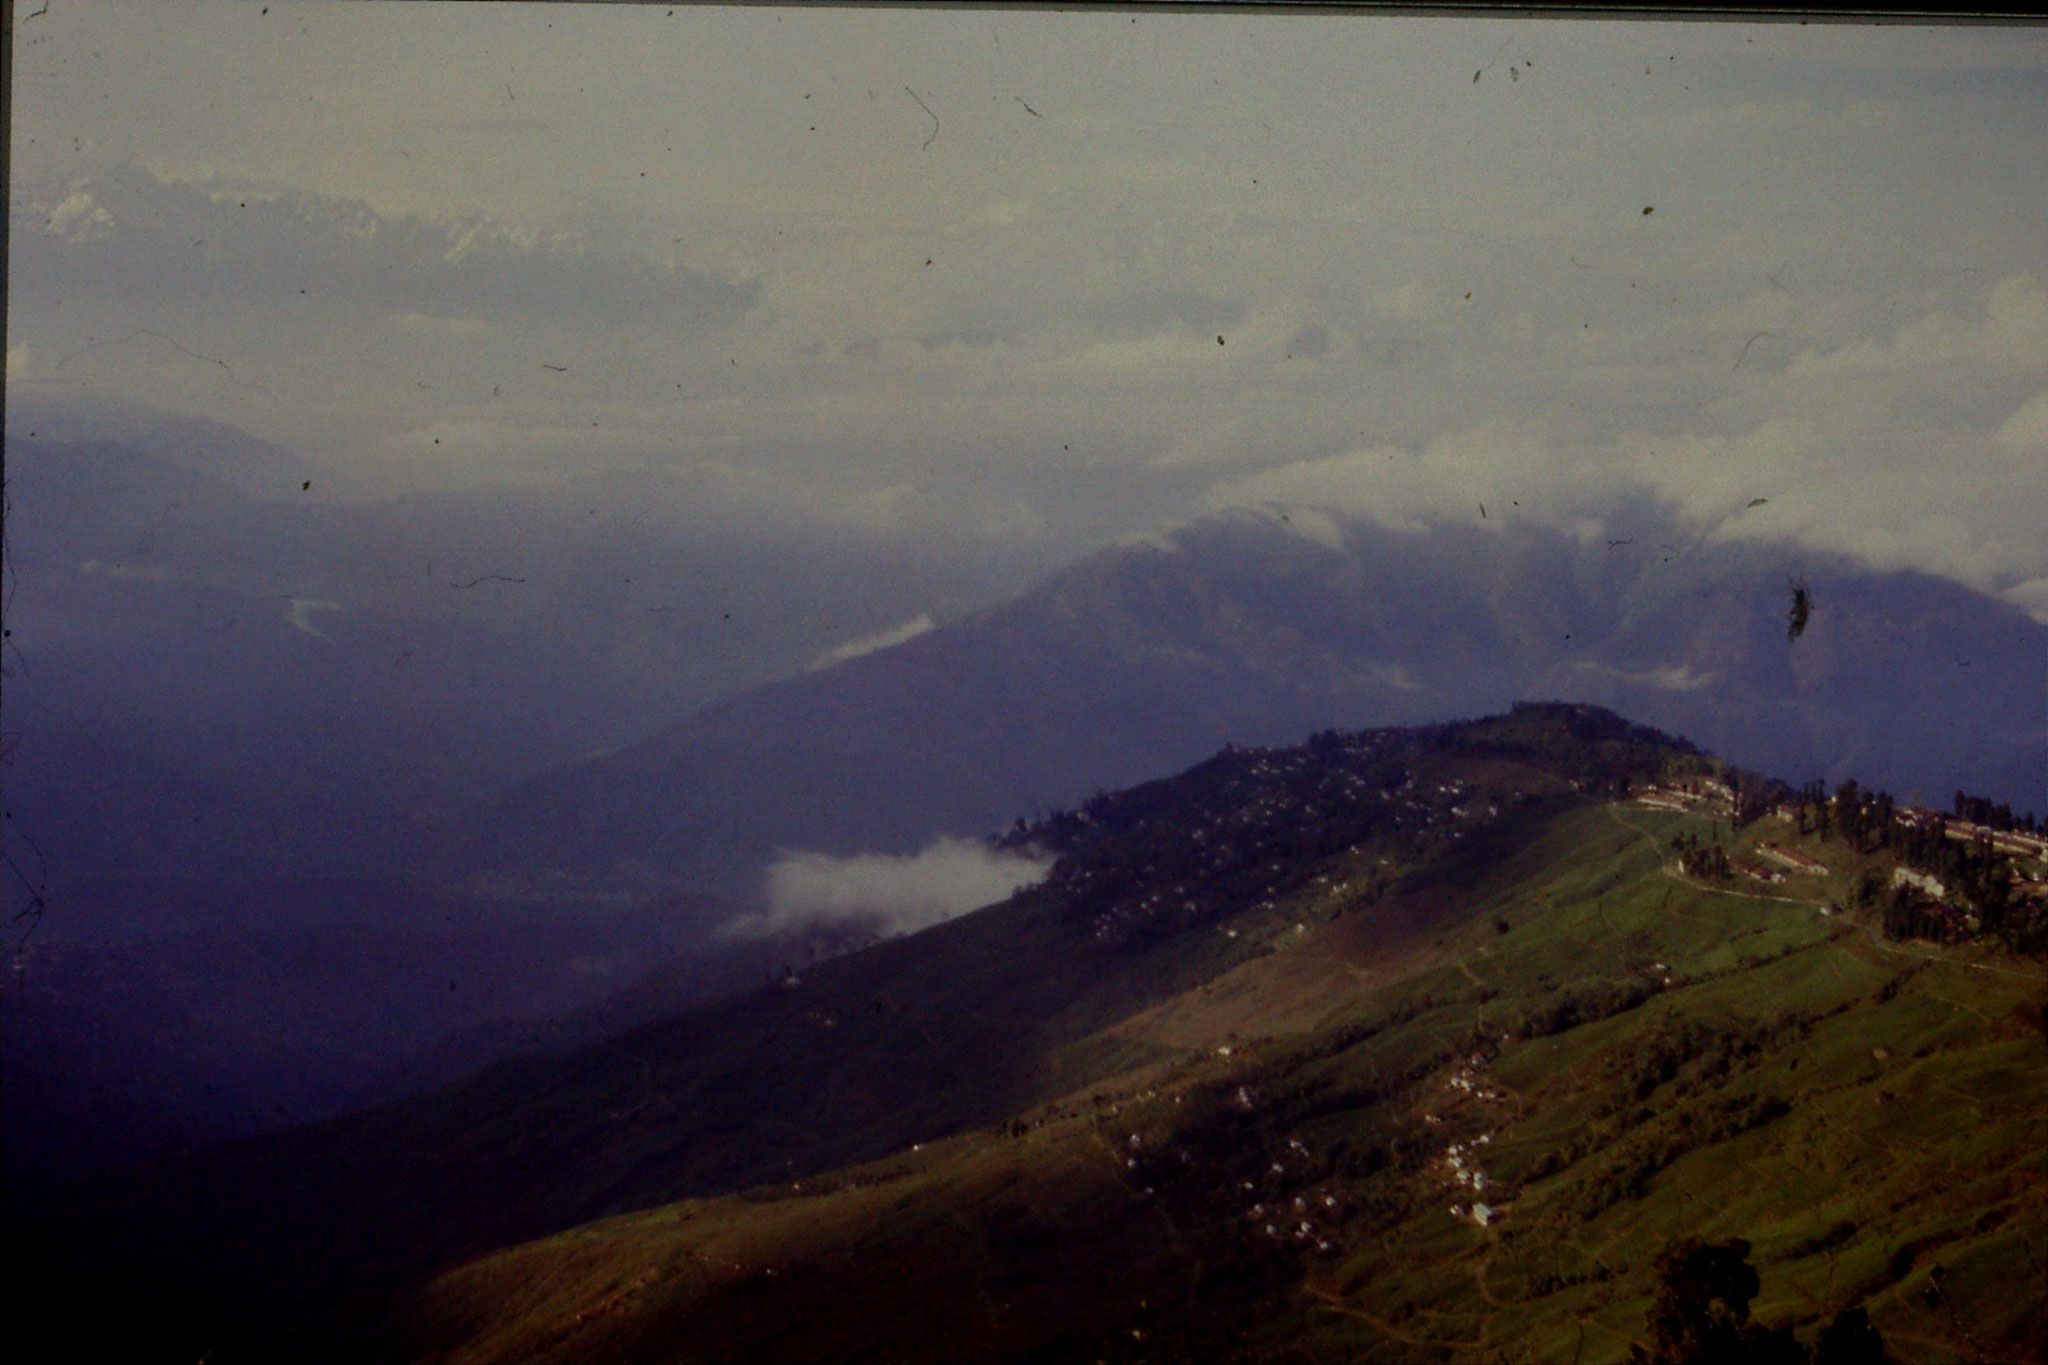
(1031, 282)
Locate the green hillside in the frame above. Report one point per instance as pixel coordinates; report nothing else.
(1225, 1087)
(1871, 1117)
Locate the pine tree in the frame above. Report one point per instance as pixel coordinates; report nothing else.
(1850, 1340)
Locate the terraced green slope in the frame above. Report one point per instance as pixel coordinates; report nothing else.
(1625, 1057)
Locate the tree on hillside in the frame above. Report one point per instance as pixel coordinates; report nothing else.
(1850, 1340)
(1849, 809)
(1701, 1313)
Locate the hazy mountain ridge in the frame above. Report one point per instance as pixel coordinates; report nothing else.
(236, 687)
(1141, 658)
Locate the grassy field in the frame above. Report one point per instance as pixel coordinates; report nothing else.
(1627, 1056)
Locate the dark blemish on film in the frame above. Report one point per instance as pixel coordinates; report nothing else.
(1745, 348)
(487, 578)
(1801, 609)
(169, 341)
(558, 369)
(930, 115)
(1027, 108)
(1758, 502)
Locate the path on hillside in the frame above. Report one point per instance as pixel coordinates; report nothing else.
(1493, 1305)
(1935, 955)
(1180, 1245)
(1871, 931)
(1331, 1303)
(1586, 1320)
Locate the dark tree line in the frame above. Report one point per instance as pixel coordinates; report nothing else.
(1977, 879)
(1979, 810)
(1701, 1317)
(1709, 862)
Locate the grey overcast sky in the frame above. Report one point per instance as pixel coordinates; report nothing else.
(1052, 278)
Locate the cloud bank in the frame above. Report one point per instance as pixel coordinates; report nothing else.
(1803, 265)
(898, 894)
(868, 644)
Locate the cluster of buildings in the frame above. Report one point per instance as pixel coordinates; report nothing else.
(1258, 815)
(1307, 1218)
(2016, 842)
(1296, 1219)
(1461, 1168)
(1793, 859)
(1706, 795)
(1470, 1082)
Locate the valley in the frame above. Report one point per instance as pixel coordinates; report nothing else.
(1441, 1081)
(1023, 685)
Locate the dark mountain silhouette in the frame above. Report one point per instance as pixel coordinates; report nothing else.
(1144, 656)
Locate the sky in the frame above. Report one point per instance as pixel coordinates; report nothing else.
(1040, 281)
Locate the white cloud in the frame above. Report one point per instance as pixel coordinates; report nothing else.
(78, 218)
(1436, 294)
(1394, 676)
(1671, 678)
(2010, 335)
(868, 644)
(898, 894)
(1454, 475)
(1315, 526)
(300, 614)
(141, 573)
(439, 328)
(2027, 429)
(2031, 597)
(1176, 354)
(1862, 474)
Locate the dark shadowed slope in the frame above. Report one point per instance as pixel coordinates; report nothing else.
(1317, 973)
(914, 1038)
